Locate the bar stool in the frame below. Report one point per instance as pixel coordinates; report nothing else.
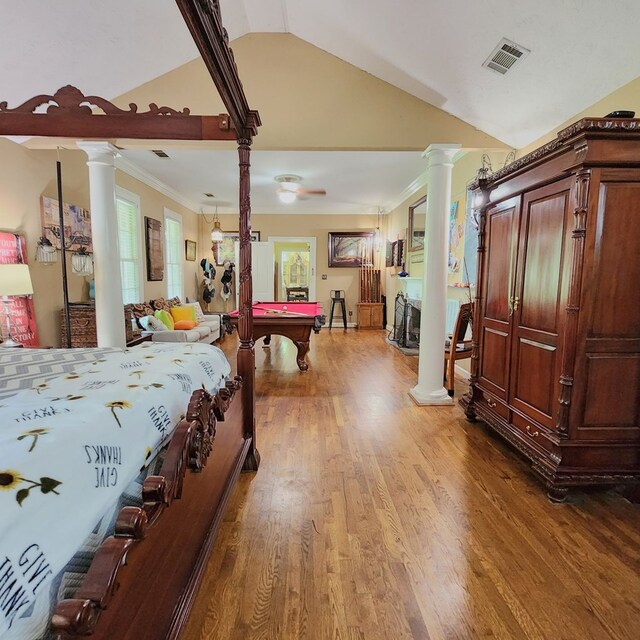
(337, 298)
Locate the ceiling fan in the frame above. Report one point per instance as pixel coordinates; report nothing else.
(291, 190)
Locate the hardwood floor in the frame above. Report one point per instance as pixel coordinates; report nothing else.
(371, 518)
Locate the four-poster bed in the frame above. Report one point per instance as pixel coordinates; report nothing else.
(151, 597)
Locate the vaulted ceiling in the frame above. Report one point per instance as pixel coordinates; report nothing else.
(433, 50)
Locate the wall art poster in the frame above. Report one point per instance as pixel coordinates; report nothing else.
(77, 225)
(456, 235)
(13, 250)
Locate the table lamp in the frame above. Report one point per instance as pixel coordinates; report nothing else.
(14, 281)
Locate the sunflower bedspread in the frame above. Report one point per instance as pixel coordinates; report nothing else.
(69, 448)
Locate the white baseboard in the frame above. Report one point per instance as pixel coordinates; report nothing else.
(337, 324)
(463, 373)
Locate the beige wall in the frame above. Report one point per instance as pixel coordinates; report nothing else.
(626, 98)
(317, 226)
(309, 99)
(25, 176)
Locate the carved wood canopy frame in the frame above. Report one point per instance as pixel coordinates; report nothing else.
(71, 115)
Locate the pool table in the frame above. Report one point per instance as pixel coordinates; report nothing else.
(293, 320)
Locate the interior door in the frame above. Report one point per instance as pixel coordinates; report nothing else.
(544, 259)
(501, 230)
(262, 271)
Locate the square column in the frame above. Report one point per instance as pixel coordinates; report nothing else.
(106, 254)
(433, 318)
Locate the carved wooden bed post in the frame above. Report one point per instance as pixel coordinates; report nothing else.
(246, 352)
(204, 21)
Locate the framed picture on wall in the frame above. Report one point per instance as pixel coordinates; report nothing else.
(389, 255)
(190, 250)
(351, 248)
(225, 250)
(155, 254)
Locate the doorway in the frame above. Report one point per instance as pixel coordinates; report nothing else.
(295, 267)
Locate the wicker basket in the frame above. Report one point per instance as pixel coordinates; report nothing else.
(83, 325)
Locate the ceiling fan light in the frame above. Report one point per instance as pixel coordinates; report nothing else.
(290, 186)
(287, 197)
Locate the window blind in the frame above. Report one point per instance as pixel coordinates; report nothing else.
(129, 245)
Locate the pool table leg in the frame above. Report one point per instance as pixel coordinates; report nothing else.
(303, 349)
(267, 340)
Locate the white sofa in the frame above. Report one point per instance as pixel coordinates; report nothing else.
(207, 330)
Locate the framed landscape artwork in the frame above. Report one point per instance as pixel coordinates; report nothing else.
(225, 250)
(155, 254)
(350, 248)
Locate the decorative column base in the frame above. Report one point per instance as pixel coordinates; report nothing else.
(424, 397)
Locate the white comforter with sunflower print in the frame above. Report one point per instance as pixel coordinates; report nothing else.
(69, 447)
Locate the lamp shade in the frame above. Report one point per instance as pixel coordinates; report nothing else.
(82, 263)
(15, 280)
(46, 252)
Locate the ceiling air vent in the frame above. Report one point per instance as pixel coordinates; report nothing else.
(160, 153)
(505, 56)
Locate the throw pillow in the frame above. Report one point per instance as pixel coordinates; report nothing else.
(151, 323)
(160, 303)
(185, 324)
(200, 317)
(165, 317)
(141, 310)
(183, 313)
(172, 302)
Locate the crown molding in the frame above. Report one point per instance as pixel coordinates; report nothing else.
(131, 169)
(411, 189)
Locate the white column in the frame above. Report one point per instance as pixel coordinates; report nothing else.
(106, 256)
(433, 318)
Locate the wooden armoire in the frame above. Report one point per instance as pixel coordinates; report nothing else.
(556, 336)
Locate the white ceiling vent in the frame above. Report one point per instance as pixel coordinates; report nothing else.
(505, 56)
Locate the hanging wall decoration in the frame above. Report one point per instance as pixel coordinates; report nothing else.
(351, 248)
(77, 225)
(13, 250)
(155, 254)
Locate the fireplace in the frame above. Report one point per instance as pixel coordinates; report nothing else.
(406, 325)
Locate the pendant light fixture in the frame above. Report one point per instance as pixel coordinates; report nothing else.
(216, 232)
(82, 263)
(46, 252)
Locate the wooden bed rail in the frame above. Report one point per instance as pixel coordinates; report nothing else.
(189, 448)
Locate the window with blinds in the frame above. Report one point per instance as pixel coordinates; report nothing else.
(173, 252)
(129, 245)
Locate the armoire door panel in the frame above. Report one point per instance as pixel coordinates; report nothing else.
(501, 252)
(616, 263)
(493, 367)
(536, 364)
(542, 276)
(618, 380)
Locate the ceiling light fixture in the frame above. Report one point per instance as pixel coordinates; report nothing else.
(216, 232)
(289, 187)
(287, 197)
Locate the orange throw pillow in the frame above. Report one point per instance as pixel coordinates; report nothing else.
(185, 324)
